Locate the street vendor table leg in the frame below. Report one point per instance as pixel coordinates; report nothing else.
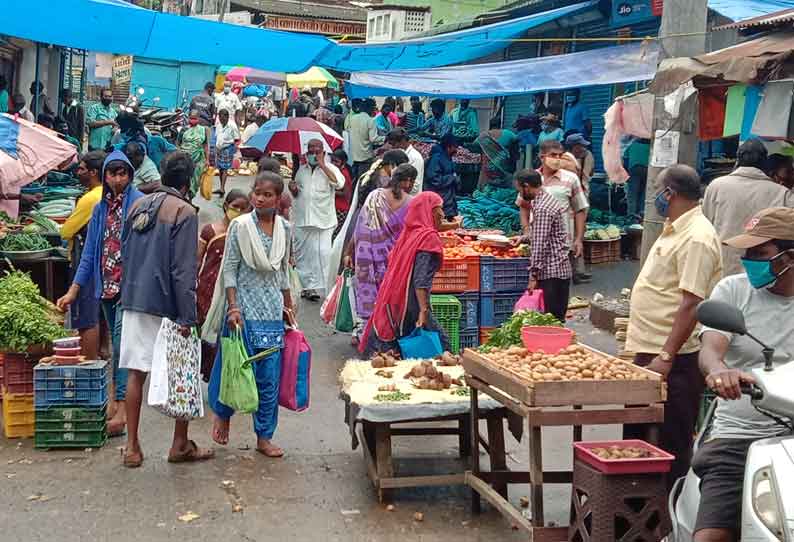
(536, 474)
(496, 445)
(49, 280)
(383, 458)
(577, 429)
(464, 436)
(474, 435)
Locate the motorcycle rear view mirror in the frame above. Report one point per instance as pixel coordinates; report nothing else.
(141, 91)
(722, 316)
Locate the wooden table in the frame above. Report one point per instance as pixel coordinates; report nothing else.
(540, 406)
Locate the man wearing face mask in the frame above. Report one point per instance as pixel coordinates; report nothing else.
(101, 119)
(765, 295)
(314, 217)
(576, 118)
(229, 101)
(683, 266)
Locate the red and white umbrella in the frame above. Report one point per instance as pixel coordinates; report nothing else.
(292, 134)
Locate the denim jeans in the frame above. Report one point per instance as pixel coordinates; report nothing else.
(111, 308)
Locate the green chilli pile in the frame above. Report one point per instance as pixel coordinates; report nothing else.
(26, 318)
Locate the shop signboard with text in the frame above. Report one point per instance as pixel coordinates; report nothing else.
(628, 12)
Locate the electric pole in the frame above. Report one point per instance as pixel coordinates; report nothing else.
(682, 34)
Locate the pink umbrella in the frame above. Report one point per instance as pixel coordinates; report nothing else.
(292, 134)
(27, 152)
(251, 76)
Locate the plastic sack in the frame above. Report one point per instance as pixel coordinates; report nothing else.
(205, 183)
(296, 365)
(255, 89)
(175, 385)
(531, 302)
(238, 385)
(328, 308)
(421, 344)
(344, 320)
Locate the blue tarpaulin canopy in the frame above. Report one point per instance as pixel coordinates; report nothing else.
(118, 27)
(442, 50)
(738, 10)
(605, 66)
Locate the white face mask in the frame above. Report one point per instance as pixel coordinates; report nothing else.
(227, 90)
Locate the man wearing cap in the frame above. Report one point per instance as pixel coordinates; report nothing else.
(683, 266)
(550, 129)
(765, 295)
(578, 145)
(731, 201)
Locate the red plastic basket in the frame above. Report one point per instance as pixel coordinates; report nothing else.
(660, 463)
(458, 275)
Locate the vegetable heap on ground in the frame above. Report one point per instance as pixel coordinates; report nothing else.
(491, 208)
(26, 318)
(509, 333)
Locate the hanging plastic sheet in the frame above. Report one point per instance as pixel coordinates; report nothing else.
(711, 112)
(605, 66)
(752, 99)
(734, 110)
(772, 118)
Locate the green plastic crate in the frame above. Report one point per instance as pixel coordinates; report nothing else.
(70, 414)
(446, 307)
(73, 426)
(70, 439)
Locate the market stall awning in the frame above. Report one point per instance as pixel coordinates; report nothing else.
(608, 65)
(738, 10)
(252, 76)
(757, 61)
(315, 77)
(443, 50)
(122, 28)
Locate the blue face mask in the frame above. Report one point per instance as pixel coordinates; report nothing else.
(311, 159)
(662, 204)
(759, 272)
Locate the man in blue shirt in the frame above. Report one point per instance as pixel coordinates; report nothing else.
(576, 118)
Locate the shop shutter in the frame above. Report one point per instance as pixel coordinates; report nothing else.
(519, 104)
(597, 99)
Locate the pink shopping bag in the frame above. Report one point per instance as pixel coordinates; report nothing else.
(531, 302)
(328, 308)
(296, 364)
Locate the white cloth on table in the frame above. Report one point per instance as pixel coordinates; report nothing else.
(312, 248)
(315, 204)
(138, 339)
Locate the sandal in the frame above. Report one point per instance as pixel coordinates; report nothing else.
(130, 460)
(192, 454)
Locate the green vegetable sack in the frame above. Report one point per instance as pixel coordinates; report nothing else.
(509, 333)
(238, 385)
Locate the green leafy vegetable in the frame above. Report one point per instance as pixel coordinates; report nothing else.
(26, 318)
(24, 242)
(392, 397)
(509, 334)
(463, 392)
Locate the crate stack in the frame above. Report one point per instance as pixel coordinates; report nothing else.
(447, 310)
(18, 411)
(459, 279)
(70, 405)
(502, 283)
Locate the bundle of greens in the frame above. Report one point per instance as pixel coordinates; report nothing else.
(509, 333)
(26, 318)
(23, 242)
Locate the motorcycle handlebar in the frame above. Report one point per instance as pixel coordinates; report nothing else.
(751, 390)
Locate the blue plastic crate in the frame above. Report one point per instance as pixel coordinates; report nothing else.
(469, 339)
(496, 308)
(499, 275)
(83, 385)
(470, 311)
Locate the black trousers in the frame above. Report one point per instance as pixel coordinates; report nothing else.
(555, 295)
(359, 169)
(685, 385)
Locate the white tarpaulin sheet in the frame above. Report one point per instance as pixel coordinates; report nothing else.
(604, 66)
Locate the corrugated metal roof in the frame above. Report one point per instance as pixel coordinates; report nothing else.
(319, 9)
(773, 19)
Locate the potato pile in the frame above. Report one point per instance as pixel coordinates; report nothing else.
(447, 360)
(425, 376)
(389, 359)
(623, 452)
(573, 363)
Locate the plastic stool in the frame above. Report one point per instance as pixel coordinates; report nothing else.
(620, 507)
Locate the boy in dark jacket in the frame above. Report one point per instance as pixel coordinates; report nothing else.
(440, 176)
(100, 267)
(160, 242)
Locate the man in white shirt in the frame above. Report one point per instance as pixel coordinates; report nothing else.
(363, 136)
(314, 217)
(398, 139)
(229, 101)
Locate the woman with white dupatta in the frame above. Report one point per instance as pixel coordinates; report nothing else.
(255, 284)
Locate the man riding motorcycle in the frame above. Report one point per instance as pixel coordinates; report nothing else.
(765, 295)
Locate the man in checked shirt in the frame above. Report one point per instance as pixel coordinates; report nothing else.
(549, 264)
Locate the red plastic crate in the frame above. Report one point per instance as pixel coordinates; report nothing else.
(18, 373)
(661, 463)
(458, 275)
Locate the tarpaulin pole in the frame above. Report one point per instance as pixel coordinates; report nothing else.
(36, 92)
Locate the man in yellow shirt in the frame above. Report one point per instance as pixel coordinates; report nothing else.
(85, 311)
(683, 266)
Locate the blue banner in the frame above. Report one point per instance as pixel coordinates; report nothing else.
(628, 12)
